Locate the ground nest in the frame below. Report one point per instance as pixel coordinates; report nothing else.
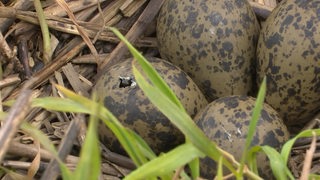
(75, 64)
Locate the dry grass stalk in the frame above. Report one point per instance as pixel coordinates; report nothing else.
(5, 48)
(308, 159)
(136, 30)
(15, 117)
(129, 9)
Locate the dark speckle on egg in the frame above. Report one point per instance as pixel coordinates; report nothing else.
(273, 40)
(207, 39)
(181, 80)
(271, 139)
(134, 110)
(288, 55)
(226, 121)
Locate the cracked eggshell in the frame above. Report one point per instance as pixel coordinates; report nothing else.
(226, 121)
(213, 41)
(134, 110)
(288, 54)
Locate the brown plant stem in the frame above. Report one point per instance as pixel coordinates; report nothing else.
(15, 117)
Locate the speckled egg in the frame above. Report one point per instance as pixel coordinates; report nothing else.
(226, 121)
(123, 97)
(213, 41)
(289, 56)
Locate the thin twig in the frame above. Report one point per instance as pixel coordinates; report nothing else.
(136, 30)
(23, 55)
(65, 25)
(15, 117)
(82, 33)
(21, 5)
(313, 123)
(29, 151)
(5, 48)
(10, 80)
(52, 171)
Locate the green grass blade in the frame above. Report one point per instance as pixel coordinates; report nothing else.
(253, 123)
(41, 137)
(164, 89)
(9, 103)
(45, 32)
(150, 71)
(125, 137)
(184, 176)
(164, 164)
(11, 174)
(194, 166)
(80, 104)
(220, 170)
(89, 163)
(252, 160)
(3, 115)
(154, 77)
(127, 141)
(143, 146)
(46, 143)
(60, 104)
(314, 176)
(286, 149)
(179, 118)
(278, 165)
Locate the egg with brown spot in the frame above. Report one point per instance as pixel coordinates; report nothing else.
(288, 55)
(213, 41)
(119, 93)
(226, 121)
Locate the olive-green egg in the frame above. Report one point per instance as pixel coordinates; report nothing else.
(288, 55)
(226, 121)
(213, 41)
(123, 97)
